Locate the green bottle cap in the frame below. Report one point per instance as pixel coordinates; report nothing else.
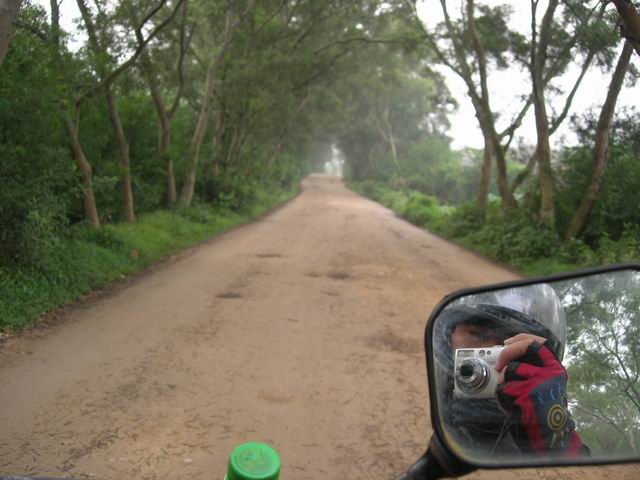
(253, 461)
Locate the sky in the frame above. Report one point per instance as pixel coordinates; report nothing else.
(506, 87)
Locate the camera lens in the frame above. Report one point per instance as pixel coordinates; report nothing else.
(472, 375)
(466, 371)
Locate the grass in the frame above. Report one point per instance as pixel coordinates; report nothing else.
(87, 259)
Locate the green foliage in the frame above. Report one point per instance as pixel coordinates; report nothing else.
(368, 188)
(38, 181)
(395, 200)
(89, 258)
(619, 196)
(421, 209)
(433, 168)
(463, 221)
(512, 238)
(603, 348)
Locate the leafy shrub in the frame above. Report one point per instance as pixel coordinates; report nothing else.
(626, 248)
(463, 220)
(513, 238)
(368, 188)
(576, 252)
(421, 209)
(198, 213)
(396, 201)
(105, 237)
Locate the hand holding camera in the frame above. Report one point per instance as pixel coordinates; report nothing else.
(478, 371)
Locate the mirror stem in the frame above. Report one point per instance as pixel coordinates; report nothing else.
(436, 463)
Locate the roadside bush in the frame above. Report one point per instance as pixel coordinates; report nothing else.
(626, 248)
(576, 252)
(368, 188)
(104, 236)
(463, 220)
(395, 200)
(421, 209)
(197, 213)
(513, 238)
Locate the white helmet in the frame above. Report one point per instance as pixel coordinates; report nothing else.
(534, 309)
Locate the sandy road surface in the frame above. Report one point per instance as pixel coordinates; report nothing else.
(302, 330)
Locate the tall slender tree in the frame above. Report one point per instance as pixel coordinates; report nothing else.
(165, 113)
(232, 20)
(600, 156)
(8, 12)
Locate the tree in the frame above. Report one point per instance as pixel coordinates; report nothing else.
(108, 70)
(232, 20)
(150, 73)
(52, 39)
(71, 121)
(561, 36)
(8, 13)
(467, 56)
(539, 49)
(601, 146)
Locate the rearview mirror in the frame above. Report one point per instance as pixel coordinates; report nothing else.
(538, 372)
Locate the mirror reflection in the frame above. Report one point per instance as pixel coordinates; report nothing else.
(546, 371)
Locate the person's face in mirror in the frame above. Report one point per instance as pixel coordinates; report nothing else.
(474, 336)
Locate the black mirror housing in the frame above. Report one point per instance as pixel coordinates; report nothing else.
(587, 295)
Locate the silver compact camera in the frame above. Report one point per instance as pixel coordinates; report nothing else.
(475, 372)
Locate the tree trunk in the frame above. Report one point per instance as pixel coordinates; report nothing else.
(487, 125)
(164, 116)
(188, 187)
(167, 161)
(233, 148)
(601, 146)
(484, 114)
(164, 134)
(274, 153)
(543, 148)
(508, 202)
(186, 195)
(394, 151)
(164, 127)
(123, 146)
(386, 133)
(216, 141)
(71, 127)
(485, 174)
(630, 22)
(545, 174)
(522, 176)
(9, 10)
(89, 202)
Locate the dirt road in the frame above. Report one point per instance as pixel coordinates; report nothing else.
(303, 330)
